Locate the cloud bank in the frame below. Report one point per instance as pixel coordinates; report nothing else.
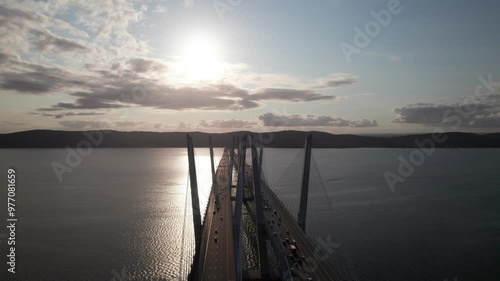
(475, 112)
(296, 120)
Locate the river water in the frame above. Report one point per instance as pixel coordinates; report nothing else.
(121, 213)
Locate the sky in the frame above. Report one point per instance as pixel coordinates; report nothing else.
(344, 67)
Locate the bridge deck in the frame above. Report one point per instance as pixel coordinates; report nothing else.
(310, 265)
(281, 226)
(217, 258)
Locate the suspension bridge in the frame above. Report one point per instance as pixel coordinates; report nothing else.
(251, 230)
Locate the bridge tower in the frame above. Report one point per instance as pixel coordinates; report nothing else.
(261, 152)
(305, 185)
(230, 167)
(194, 198)
(259, 216)
(214, 180)
(238, 212)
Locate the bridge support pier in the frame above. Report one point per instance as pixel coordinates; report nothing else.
(305, 185)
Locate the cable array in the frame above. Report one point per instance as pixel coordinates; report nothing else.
(319, 211)
(319, 205)
(287, 188)
(320, 208)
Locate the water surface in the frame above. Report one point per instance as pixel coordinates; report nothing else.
(123, 211)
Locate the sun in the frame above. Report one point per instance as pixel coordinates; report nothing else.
(201, 59)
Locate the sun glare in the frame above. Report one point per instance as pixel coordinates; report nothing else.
(201, 59)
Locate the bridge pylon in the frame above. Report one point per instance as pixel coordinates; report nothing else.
(238, 211)
(194, 199)
(214, 181)
(305, 184)
(259, 216)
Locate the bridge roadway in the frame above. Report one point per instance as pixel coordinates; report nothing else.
(217, 253)
(217, 256)
(306, 262)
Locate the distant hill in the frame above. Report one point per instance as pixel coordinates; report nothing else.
(284, 139)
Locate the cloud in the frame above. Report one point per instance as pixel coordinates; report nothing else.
(106, 17)
(336, 80)
(99, 125)
(35, 82)
(211, 97)
(97, 32)
(365, 123)
(121, 88)
(48, 41)
(296, 120)
(3, 58)
(127, 124)
(92, 58)
(478, 112)
(65, 114)
(16, 75)
(184, 126)
(141, 65)
(227, 124)
(421, 113)
(123, 93)
(83, 125)
(289, 95)
(242, 75)
(27, 28)
(84, 103)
